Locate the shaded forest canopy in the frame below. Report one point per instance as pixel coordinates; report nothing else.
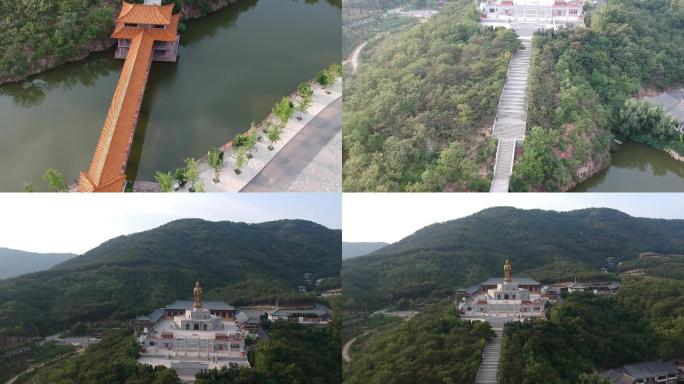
(547, 245)
(433, 347)
(580, 85)
(589, 333)
(134, 274)
(418, 111)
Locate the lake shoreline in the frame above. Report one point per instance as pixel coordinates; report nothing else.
(658, 167)
(103, 44)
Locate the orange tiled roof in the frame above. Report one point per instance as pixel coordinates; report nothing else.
(106, 172)
(121, 31)
(145, 14)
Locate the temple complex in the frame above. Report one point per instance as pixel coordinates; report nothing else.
(506, 299)
(145, 32)
(191, 341)
(549, 11)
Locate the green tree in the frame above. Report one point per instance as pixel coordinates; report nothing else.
(192, 172)
(252, 138)
(165, 180)
(273, 135)
(179, 175)
(55, 180)
(283, 109)
(215, 158)
(240, 155)
(305, 99)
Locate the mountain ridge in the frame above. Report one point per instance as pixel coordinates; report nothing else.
(360, 248)
(440, 257)
(132, 274)
(17, 262)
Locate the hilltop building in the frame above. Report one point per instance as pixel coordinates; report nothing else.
(673, 103)
(192, 340)
(506, 299)
(550, 11)
(649, 372)
(316, 314)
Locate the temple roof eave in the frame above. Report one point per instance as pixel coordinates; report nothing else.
(170, 33)
(145, 14)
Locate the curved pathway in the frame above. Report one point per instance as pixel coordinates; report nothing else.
(345, 350)
(354, 57)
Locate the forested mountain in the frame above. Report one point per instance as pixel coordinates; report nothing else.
(133, 274)
(581, 82)
(14, 262)
(419, 109)
(547, 245)
(350, 250)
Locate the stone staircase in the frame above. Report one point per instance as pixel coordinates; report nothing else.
(490, 361)
(510, 122)
(504, 165)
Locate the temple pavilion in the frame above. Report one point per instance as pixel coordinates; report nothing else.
(506, 299)
(193, 340)
(145, 32)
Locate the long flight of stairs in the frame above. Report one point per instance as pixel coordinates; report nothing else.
(490, 361)
(510, 123)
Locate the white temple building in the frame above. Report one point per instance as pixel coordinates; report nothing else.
(509, 300)
(193, 341)
(547, 11)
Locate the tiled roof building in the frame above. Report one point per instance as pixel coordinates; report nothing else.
(145, 32)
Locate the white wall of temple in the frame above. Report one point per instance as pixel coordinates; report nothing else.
(194, 346)
(531, 10)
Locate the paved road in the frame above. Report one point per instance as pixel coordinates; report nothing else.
(284, 168)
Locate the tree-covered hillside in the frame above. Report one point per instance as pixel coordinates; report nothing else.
(134, 274)
(547, 245)
(580, 86)
(418, 111)
(38, 35)
(590, 333)
(433, 347)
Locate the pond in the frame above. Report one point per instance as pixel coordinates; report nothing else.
(234, 65)
(637, 168)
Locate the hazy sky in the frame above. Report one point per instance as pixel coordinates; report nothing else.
(78, 222)
(391, 217)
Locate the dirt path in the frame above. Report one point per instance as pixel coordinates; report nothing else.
(345, 350)
(354, 57)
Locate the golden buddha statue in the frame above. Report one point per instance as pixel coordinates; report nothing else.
(507, 272)
(197, 295)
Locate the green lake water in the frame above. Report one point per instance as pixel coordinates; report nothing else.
(234, 65)
(637, 168)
